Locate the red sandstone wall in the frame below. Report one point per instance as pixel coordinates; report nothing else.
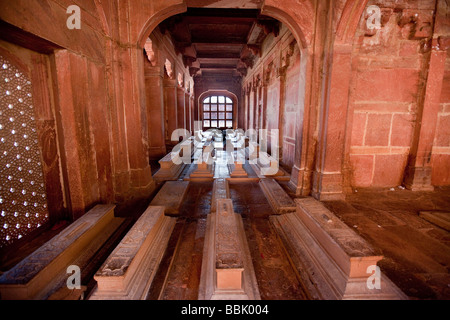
(386, 91)
(214, 84)
(167, 100)
(78, 96)
(84, 122)
(441, 145)
(101, 123)
(99, 91)
(274, 84)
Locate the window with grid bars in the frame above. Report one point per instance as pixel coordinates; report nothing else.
(217, 112)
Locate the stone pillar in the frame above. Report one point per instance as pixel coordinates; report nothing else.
(132, 176)
(190, 108)
(256, 100)
(305, 128)
(320, 149)
(187, 111)
(252, 107)
(259, 107)
(133, 107)
(418, 171)
(281, 74)
(247, 92)
(181, 108)
(170, 108)
(119, 149)
(243, 111)
(70, 73)
(155, 111)
(193, 118)
(328, 176)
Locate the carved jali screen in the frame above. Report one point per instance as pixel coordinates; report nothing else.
(23, 201)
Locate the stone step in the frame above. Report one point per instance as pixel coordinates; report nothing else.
(227, 270)
(44, 271)
(171, 196)
(128, 272)
(331, 259)
(278, 199)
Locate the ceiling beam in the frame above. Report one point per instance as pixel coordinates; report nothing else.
(219, 42)
(237, 40)
(218, 20)
(221, 12)
(218, 67)
(217, 59)
(219, 55)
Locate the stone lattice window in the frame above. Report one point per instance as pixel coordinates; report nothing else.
(23, 201)
(217, 112)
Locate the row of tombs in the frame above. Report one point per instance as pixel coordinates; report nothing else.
(332, 261)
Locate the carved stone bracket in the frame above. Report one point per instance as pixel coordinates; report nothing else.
(193, 71)
(268, 73)
(242, 68)
(188, 61)
(248, 88)
(249, 61)
(168, 69)
(270, 26)
(257, 82)
(286, 60)
(254, 49)
(150, 53)
(416, 24)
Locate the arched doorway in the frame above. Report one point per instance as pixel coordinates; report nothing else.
(301, 29)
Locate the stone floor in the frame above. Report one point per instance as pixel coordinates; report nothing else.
(416, 252)
(276, 278)
(179, 275)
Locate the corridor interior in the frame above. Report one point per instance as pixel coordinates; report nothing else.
(337, 123)
(179, 274)
(415, 250)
